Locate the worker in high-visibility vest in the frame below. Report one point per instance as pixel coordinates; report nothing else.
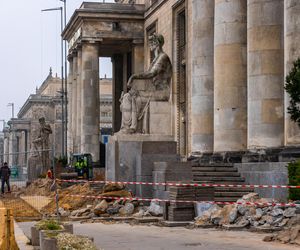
(80, 167)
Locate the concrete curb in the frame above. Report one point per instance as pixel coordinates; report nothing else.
(21, 239)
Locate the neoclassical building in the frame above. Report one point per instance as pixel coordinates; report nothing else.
(229, 58)
(16, 139)
(21, 131)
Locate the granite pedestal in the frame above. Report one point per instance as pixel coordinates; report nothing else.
(131, 158)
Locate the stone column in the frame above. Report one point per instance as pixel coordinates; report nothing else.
(265, 73)
(13, 149)
(117, 61)
(202, 59)
(292, 52)
(90, 100)
(6, 149)
(230, 65)
(70, 107)
(79, 100)
(74, 103)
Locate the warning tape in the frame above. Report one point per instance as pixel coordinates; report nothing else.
(180, 184)
(273, 204)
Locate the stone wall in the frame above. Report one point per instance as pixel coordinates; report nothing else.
(266, 173)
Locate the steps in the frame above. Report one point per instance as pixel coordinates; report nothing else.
(221, 173)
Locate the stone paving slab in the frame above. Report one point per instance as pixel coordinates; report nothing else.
(137, 237)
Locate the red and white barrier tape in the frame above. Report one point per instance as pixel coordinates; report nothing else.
(182, 201)
(180, 184)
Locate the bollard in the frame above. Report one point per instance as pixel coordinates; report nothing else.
(7, 235)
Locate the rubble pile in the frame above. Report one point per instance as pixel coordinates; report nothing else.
(291, 233)
(260, 217)
(68, 202)
(105, 207)
(40, 187)
(80, 208)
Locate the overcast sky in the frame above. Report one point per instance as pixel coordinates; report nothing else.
(30, 45)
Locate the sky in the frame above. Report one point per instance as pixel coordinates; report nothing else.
(30, 45)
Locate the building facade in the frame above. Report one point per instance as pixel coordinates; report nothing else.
(16, 139)
(229, 58)
(21, 131)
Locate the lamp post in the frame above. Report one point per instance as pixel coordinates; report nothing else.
(62, 81)
(66, 76)
(12, 105)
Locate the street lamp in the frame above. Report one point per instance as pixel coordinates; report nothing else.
(62, 81)
(66, 76)
(11, 104)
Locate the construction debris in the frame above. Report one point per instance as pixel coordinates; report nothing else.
(66, 200)
(291, 234)
(39, 187)
(261, 217)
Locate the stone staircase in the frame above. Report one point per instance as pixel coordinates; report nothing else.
(221, 173)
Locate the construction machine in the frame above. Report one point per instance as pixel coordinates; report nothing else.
(82, 164)
(80, 167)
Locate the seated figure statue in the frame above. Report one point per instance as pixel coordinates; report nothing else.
(135, 103)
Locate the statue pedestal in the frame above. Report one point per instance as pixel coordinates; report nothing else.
(160, 121)
(35, 168)
(132, 157)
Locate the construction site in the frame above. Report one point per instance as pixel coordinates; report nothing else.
(173, 124)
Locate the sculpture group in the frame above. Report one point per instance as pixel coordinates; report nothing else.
(152, 85)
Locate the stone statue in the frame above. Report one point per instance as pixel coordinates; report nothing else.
(41, 143)
(160, 71)
(131, 110)
(135, 103)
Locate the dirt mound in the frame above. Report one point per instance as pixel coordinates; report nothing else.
(73, 202)
(39, 187)
(109, 187)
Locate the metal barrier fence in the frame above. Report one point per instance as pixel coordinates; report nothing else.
(28, 203)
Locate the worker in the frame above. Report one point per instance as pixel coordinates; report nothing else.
(81, 166)
(49, 174)
(4, 175)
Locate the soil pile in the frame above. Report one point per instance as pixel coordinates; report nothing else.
(65, 198)
(40, 187)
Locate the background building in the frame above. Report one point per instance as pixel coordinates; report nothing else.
(46, 102)
(105, 108)
(21, 131)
